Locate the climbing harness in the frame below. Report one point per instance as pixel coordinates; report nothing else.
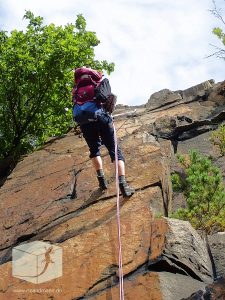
(118, 218)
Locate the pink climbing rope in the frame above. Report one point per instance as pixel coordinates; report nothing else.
(118, 218)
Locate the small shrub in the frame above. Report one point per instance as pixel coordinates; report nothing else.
(203, 189)
(218, 138)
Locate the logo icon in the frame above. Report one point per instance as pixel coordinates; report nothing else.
(37, 262)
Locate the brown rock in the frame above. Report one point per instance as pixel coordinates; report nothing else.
(143, 286)
(53, 195)
(90, 257)
(44, 183)
(30, 196)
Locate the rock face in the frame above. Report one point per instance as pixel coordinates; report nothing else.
(217, 246)
(184, 252)
(52, 196)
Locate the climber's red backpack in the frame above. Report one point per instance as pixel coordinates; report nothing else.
(89, 87)
(86, 81)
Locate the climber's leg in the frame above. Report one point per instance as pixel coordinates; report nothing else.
(107, 135)
(91, 134)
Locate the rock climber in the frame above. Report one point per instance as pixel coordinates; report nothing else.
(99, 131)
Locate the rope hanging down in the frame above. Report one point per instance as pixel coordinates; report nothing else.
(118, 218)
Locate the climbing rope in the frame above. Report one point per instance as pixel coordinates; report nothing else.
(124, 114)
(118, 218)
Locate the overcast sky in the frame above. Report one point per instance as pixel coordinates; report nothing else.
(155, 44)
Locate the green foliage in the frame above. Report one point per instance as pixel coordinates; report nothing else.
(177, 182)
(203, 189)
(36, 78)
(219, 33)
(218, 138)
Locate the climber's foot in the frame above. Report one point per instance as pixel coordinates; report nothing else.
(126, 190)
(102, 183)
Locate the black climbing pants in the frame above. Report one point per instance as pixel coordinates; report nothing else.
(99, 133)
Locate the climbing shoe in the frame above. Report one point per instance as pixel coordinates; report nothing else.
(125, 189)
(102, 183)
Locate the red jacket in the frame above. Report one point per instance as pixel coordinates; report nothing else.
(86, 80)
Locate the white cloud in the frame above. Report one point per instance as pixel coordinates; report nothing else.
(155, 44)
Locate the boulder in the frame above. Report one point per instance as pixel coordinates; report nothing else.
(198, 91)
(163, 98)
(183, 250)
(166, 98)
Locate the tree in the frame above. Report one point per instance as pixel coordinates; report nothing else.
(203, 188)
(36, 79)
(220, 52)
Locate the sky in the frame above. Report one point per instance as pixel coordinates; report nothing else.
(155, 44)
